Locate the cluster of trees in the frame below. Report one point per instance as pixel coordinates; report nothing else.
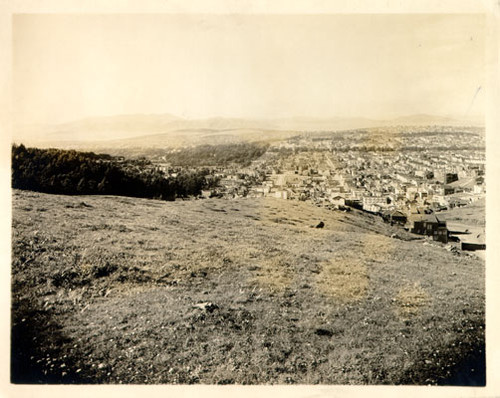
(86, 173)
(216, 155)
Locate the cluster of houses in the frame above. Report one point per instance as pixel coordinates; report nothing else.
(409, 188)
(407, 182)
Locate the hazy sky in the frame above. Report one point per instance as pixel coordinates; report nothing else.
(378, 66)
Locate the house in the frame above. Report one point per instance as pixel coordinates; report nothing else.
(458, 202)
(445, 178)
(441, 200)
(373, 208)
(281, 194)
(338, 200)
(473, 242)
(449, 189)
(478, 189)
(395, 217)
(206, 193)
(450, 177)
(464, 185)
(430, 225)
(369, 201)
(354, 203)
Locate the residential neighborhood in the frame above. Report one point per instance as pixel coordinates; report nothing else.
(407, 176)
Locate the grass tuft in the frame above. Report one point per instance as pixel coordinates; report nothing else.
(344, 278)
(410, 301)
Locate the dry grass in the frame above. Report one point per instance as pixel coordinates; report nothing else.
(378, 248)
(276, 274)
(410, 301)
(104, 289)
(344, 278)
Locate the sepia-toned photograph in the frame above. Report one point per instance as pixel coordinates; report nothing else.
(248, 199)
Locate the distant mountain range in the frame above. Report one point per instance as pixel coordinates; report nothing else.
(163, 129)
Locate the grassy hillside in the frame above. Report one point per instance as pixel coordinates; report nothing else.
(125, 290)
(472, 215)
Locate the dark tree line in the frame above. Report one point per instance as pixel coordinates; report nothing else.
(86, 173)
(216, 155)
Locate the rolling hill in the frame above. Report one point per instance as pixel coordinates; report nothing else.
(165, 129)
(246, 291)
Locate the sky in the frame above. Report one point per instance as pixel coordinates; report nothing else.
(68, 67)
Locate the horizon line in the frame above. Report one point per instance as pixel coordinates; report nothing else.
(474, 117)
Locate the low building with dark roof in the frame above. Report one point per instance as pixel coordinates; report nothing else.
(429, 225)
(473, 242)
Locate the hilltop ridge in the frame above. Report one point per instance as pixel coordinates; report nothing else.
(106, 129)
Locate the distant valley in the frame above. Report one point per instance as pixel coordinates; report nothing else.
(165, 130)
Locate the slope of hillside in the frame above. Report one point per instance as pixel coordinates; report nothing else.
(472, 215)
(123, 290)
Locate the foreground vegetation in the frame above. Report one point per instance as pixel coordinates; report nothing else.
(125, 290)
